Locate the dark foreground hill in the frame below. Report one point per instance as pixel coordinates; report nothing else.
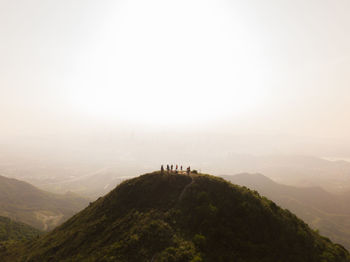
(11, 230)
(23, 202)
(172, 217)
(322, 210)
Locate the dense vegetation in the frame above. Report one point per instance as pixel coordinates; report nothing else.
(167, 217)
(327, 212)
(23, 202)
(11, 230)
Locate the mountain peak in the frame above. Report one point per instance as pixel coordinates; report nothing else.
(177, 217)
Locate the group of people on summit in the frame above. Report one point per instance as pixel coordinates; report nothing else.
(176, 170)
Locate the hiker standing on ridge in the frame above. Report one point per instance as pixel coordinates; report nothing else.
(171, 168)
(161, 169)
(167, 168)
(181, 168)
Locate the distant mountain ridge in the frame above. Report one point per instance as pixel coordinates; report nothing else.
(297, 170)
(325, 211)
(23, 202)
(168, 217)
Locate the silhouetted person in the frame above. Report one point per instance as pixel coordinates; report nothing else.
(181, 168)
(161, 169)
(167, 168)
(176, 167)
(188, 170)
(171, 168)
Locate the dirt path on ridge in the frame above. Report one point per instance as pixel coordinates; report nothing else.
(185, 189)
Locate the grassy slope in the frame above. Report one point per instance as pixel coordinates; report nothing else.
(321, 210)
(23, 202)
(180, 218)
(11, 230)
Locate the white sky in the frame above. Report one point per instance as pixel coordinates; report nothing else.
(276, 67)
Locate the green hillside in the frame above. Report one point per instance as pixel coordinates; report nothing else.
(322, 210)
(172, 217)
(11, 230)
(25, 203)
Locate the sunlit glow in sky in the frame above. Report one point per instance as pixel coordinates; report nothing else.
(282, 66)
(171, 62)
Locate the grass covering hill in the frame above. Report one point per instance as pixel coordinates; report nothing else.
(11, 230)
(322, 210)
(25, 203)
(168, 217)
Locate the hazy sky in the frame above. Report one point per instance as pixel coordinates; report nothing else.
(258, 67)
